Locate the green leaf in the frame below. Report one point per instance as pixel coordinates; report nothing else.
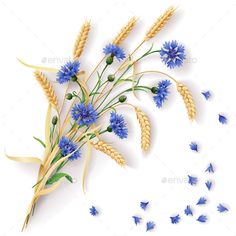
(40, 141)
(58, 176)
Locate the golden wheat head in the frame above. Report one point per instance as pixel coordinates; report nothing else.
(110, 151)
(125, 31)
(47, 88)
(145, 128)
(81, 40)
(188, 100)
(159, 23)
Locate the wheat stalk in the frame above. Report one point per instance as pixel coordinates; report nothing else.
(81, 40)
(145, 126)
(188, 100)
(110, 151)
(125, 31)
(160, 23)
(47, 88)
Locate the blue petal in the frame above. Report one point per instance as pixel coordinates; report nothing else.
(93, 211)
(210, 168)
(188, 211)
(175, 219)
(206, 94)
(193, 146)
(222, 119)
(150, 225)
(202, 201)
(221, 208)
(202, 218)
(208, 185)
(143, 205)
(137, 219)
(192, 180)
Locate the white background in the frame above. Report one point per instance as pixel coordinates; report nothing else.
(43, 33)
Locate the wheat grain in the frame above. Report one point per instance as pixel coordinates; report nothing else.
(188, 100)
(125, 31)
(47, 88)
(145, 128)
(110, 151)
(160, 23)
(81, 40)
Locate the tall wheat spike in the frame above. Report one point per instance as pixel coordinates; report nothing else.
(110, 151)
(188, 100)
(125, 31)
(47, 88)
(81, 40)
(159, 23)
(145, 126)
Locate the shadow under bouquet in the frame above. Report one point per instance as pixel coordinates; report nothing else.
(81, 125)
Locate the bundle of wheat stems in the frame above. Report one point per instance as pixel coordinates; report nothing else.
(100, 97)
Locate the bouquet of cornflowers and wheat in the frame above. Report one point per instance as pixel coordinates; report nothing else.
(64, 138)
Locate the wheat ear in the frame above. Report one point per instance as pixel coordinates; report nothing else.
(110, 151)
(188, 100)
(125, 31)
(145, 126)
(47, 88)
(81, 40)
(159, 23)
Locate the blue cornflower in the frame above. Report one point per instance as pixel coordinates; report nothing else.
(188, 211)
(222, 208)
(118, 125)
(150, 225)
(172, 54)
(193, 146)
(202, 201)
(93, 211)
(202, 219)
(84, 114)
(208, 185)
(143, 205)
(222, 119)
(210, 168)
(206, 94)
(114, 51)
(67, 71)
(67, 147)
(175, 219)
(137, 219)
(192, 180)
(161, 92)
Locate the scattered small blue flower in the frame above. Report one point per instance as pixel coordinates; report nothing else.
(206, 94)
(172, 54)
(188, 211)
(175, 219)
(84, 114)
(143, 205)
(67, 71)
(193, 146)
(208, 185)
(67, 147)
(222, 208)
(118, 125)
(162, 93)
(202, 201)
(150, 225)
(93, 211)
(210, 168)
(202, 219)
(136, 219)
(222, 119)
(192, 180)
(115, 51)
